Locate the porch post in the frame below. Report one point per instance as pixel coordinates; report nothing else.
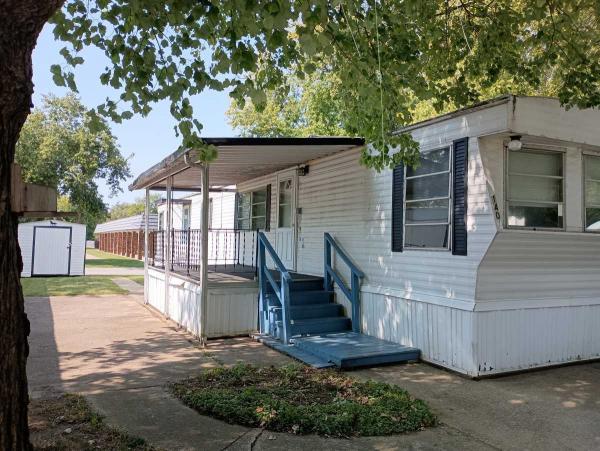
(167, 240)
(204, 253)
(146, 236)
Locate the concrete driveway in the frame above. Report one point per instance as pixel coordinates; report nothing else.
(120, 355)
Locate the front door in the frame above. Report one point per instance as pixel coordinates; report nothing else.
(285, 233)
(51, 251)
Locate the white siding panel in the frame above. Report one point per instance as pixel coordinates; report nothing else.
(530, 265)
(443, 334)
(545, 117)
(353, 203)
(78, 239)
(513, 340)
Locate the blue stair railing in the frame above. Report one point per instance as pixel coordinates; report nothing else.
(282, 290)
(331, 276)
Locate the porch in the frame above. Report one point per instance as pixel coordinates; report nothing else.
(244, 280)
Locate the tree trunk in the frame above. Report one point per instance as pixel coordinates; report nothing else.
(21, 22)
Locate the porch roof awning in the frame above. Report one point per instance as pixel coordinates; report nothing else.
(241, 159)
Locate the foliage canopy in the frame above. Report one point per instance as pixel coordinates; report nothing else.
(60, 147)
(386, 55)
(126, 209)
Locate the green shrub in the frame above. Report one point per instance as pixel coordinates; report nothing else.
(303, 400)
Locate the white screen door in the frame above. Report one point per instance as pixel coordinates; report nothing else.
(285, 233)
(51, 251)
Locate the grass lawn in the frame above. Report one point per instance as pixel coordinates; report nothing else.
(69, 286)
(106, 260)
(304, 400)
(68, 423)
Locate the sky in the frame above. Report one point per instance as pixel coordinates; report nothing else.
(148, 139)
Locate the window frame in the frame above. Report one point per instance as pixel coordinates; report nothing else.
(538, 150)
(584, 155)
(250, 218)
(450, 223)
(189, 217)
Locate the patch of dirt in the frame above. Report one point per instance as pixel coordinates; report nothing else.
(68, 423)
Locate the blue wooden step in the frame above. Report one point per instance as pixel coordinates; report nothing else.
(350, 349)
(311, 297)
(293, 351)
(317, 326)
(308, 311)
(299, 282)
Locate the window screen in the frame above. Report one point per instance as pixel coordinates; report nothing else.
(592, 193)
(252, 210)
(535, 189)
(427, 201)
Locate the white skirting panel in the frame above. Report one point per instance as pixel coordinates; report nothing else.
(232, 307)
(184, 304)
(156, 289)
(513, 340)
(232, 311)
(443, 334)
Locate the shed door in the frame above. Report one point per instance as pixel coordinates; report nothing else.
(285, 233)
(51, 251)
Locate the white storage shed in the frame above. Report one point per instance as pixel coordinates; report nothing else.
(52, 248)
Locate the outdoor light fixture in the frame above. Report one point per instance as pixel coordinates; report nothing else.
(302, 170)
(515, 143)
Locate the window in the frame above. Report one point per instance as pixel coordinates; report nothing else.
(285, 204)
(592, 193)
(534, 195)
(161, 221)
(252, 210)
(185, 221)
(427, 201)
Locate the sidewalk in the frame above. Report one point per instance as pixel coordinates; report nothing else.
(113, 271)
(120, 355)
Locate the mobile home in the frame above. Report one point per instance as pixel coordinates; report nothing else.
(485, 257)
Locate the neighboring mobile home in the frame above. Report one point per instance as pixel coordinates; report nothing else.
(186, 211)
(485, 257)
(125, 236)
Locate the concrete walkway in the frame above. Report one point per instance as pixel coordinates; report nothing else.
(113, 271)
(120, 355)
(129, 285)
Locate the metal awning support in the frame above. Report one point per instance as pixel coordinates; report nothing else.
(146, 243)
(167, 240)
(204, 254)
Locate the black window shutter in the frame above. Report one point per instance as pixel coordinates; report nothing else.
(459, 231)
(398, 208)
(268, 209)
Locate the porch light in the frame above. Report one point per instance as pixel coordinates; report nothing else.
(515, 143)
(302, 170)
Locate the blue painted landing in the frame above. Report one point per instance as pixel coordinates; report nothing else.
(345, 350)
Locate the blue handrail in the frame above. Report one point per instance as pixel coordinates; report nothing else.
(281, 291)
(331, 276)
